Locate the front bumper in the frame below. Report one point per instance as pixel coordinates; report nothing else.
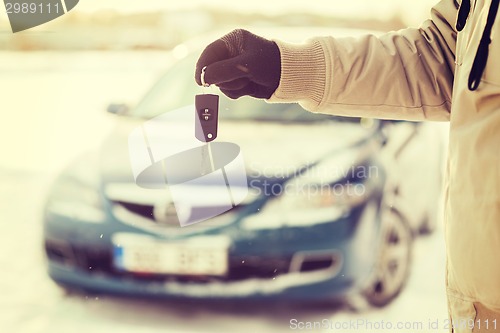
(311, 285)
(279, 264)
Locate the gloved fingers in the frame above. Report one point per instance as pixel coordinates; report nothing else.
(215, 52)
(235, 84)
(226, 71)
(260, 91)
(251, 89)
(235, 94)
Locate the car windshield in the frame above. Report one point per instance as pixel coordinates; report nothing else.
(177, 88)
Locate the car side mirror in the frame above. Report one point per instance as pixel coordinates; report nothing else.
(116, 108)
(384, 133)
(383, 138)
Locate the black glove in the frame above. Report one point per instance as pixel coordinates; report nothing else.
(241, 63)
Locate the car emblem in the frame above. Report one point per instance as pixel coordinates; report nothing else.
(165, 213)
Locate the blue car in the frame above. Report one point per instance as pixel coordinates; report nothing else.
(349, 232)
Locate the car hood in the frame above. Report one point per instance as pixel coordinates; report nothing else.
(269, 149)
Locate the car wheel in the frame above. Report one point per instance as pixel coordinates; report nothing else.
(391, 270)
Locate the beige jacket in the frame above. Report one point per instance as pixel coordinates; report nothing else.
(422, 74)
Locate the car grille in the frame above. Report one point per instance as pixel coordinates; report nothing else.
(147, 211)
(89, 259)
(143, 214)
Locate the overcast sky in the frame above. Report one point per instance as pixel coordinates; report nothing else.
(412, 12)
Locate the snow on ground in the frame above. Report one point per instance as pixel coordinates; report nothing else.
(52, 108)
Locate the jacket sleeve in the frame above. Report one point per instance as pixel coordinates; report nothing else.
(406, 74)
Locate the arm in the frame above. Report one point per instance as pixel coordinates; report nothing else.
(400, 75)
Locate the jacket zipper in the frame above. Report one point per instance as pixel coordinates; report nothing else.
(481, 57)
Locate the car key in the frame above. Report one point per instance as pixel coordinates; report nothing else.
(207, 113)
(207, 109)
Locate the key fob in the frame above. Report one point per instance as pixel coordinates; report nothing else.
(207, 114)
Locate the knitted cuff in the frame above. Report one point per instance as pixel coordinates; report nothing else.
(303, 74)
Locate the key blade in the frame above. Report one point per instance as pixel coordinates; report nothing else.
(210, 157)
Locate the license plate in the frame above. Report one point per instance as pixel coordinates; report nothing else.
(197, 256)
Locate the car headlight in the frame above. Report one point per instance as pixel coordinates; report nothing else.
(76, 195)
(324, 193)
(341, 180)
(317, 196)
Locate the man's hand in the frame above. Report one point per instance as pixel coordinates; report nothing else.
(241, 63)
